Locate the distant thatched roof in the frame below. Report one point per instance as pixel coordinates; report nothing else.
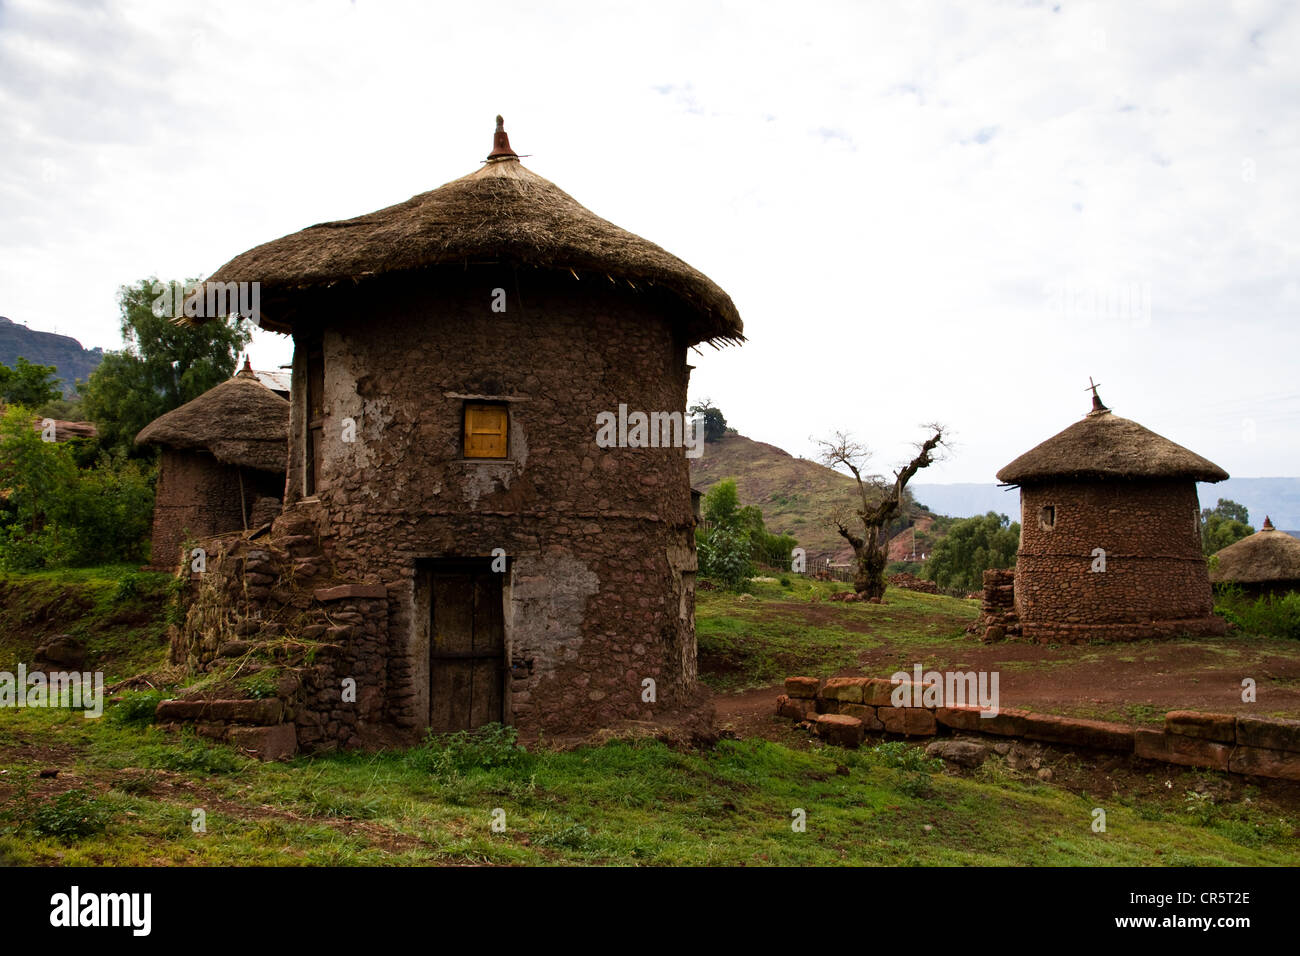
(1104, 445)
(501, 212)
(241, 422)
(1267, 555)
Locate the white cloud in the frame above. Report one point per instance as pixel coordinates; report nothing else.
(890, 192)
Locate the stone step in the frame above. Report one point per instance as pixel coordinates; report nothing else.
(265, 711)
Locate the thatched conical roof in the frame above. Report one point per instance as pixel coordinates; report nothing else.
(501, 212)
(1264, 557)
(1104, 445)
(241, 422)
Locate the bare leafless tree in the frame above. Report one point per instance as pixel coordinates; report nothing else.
(880, 501)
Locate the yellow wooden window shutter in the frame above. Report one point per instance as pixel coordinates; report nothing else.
(485, 431)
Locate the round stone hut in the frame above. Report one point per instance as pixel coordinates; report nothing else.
(489, 446)
(223, 464)
(1266, 562)
(1110, 545)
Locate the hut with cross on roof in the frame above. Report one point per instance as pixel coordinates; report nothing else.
(1110, 545)
(470, 550)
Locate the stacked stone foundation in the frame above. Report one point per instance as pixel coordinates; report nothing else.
(998, 619)
(273, 602)
(845, 711)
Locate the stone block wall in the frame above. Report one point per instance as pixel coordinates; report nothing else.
(845, 710)
(599, 542)
(196, 496)
(278, 598)
(911, 582)
(998, 618)
(1155, 581)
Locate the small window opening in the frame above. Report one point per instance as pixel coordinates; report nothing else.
(1047, 517)
(486, 428)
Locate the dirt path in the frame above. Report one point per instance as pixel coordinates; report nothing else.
(1135, 682)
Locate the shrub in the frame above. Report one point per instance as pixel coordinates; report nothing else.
(192, 755)
(57, 514)
(773, 550)
(489, 747)
(724, 557)
(128, 587)
(137, 707)
(1268, 615)
(903, 756)
(70, 816)
(1201, 807)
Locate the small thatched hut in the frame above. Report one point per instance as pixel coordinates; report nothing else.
(496, 559)
(1266, 562)
(222, 454)
(1110, 543)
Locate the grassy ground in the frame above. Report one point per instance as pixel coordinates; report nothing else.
(755, 639)
(126, 793)
(627, 802)
(118, 611)
(774, 630)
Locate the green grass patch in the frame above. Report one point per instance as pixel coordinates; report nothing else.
(627, 802)
(118, 611)
(770, 631)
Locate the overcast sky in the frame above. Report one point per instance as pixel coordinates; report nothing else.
(923, 211)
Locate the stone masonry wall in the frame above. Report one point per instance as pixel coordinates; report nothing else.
(276, 599)
(1155, 581)
(998, 618)
(196, 496)
(846, 710)
(600, 583)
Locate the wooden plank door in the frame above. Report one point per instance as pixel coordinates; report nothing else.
(466, 649)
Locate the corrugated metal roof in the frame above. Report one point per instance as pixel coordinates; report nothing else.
(275, 381)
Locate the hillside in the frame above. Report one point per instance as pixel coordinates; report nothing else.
(48, 348)
(794, 494)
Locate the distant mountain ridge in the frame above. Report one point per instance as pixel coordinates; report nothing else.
(1278, 498)
(48, 348)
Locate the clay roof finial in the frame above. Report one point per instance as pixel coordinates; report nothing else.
(501, 144)
(1097, 406)
(247, 370)
(1268, 525)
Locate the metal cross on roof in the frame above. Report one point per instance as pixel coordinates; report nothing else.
(1097, 405)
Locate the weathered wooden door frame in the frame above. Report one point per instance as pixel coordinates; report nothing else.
(426, 656)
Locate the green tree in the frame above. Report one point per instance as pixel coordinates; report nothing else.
(1227, 508)
(1224, 524)
(162, 366)
(715, 425)
(744, 539)
(64, 409)
(55, 514)
(28, 384)
(971, 547)
(723, 555)
(722, 503)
